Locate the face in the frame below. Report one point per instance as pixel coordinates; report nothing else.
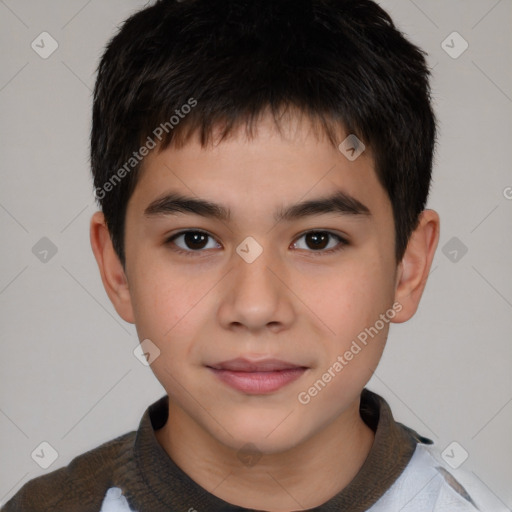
(260, 277)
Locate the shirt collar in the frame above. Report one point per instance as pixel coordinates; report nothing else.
(168, 487)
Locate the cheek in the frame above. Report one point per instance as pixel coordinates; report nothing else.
(164, 300)
(168, 309)
(175, 308)
(350, 298)
(351, 306)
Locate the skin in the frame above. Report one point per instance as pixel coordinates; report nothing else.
(292, 303)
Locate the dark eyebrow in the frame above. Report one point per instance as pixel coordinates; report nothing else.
(173, 203)
(340, 202)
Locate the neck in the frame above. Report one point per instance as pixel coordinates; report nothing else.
(303, 477)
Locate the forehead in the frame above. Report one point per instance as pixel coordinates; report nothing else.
(258, 172)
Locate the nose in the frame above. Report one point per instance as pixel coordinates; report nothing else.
(256, 296)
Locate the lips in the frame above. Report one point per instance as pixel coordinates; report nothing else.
(245, 365)
(257, 377)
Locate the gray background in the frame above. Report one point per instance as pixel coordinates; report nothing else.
(68, 373)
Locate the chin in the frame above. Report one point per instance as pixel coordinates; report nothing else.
(267, 434)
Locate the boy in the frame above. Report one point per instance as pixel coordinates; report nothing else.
(262, 170)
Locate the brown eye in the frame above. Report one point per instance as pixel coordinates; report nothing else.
(191, 241)
(320, 241)
(195, 240)
(317, 240)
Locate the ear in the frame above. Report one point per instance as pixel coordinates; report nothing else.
(111, 269)
(414, 268)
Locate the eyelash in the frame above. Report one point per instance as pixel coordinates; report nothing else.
(342, 242)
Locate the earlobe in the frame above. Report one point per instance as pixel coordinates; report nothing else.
(112, 272)
(415, 266)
